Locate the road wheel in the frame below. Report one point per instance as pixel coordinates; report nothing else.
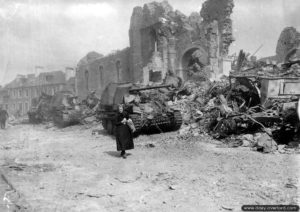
(177, 120)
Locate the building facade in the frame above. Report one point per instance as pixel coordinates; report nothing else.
(163, 40)
(18, 96)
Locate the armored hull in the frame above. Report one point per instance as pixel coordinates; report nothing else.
(148, 116)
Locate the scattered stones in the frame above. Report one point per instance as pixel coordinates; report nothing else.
(150, 145)
(265, 143)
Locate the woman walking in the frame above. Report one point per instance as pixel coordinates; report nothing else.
(124, 137)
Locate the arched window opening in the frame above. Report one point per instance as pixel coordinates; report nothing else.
(101, 75)
(86, 74)
(118, 67)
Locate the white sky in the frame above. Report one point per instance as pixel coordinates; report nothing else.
(59, 33)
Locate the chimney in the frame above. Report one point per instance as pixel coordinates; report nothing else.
(38, 70)
(69, 72)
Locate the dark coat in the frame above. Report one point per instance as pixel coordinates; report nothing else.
(124, 137)
(3, 115)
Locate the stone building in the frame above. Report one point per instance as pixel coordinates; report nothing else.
(163, 40)
(288, 46)
(17, 96)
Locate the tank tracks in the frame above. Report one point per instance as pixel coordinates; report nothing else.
(158, 124)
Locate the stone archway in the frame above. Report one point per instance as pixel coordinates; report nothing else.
(190, 56)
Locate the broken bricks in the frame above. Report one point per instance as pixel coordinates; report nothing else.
(227, 108)
(265, 143)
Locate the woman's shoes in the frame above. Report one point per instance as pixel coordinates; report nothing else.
(123, 154)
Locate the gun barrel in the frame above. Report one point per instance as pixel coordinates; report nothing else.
(149, 88)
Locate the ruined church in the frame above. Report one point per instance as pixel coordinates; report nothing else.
(164, 41)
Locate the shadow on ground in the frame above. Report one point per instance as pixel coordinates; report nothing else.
(113, 153)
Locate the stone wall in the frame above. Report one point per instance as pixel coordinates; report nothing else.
(288, 40)
(95, 73)
(162, 31)
(164, 40)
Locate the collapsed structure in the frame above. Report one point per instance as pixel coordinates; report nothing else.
(164, 41)
(256, 106)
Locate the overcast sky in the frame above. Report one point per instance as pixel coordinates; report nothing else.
(59, 33)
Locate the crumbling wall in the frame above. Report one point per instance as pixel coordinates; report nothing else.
(101, 71)
(163, 40)
(152, 72)
(216, 15)
(135, 41)
(158, 28)
(288, 39)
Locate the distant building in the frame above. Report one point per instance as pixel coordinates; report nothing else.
(17, 96)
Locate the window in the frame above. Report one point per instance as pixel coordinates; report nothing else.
(32, 92)
(35, 92)
(49, 78)
(101, 74)
(118, 67)
(26, 106)
(15, 94)
(20, 93)
(86, 75)
(26, 93)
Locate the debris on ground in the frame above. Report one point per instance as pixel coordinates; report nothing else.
(257, 98)
(240, 110)
(233, 110)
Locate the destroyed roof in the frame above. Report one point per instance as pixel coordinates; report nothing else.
(21, 81)
(54, 77)
(153, 12)
(216, 9)
(287, 70)
(90, 57)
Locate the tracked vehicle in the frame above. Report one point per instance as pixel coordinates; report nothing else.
(149, 114)
(64, 110)
(59, 108)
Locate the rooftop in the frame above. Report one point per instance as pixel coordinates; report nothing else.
(54, 77)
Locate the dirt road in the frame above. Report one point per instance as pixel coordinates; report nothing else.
(72, 170)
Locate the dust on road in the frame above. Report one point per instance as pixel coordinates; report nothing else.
(72, 170)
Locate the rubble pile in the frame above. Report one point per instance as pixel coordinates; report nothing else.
(89, 108)
(63, 109)
(231, 110)
(153, 102)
